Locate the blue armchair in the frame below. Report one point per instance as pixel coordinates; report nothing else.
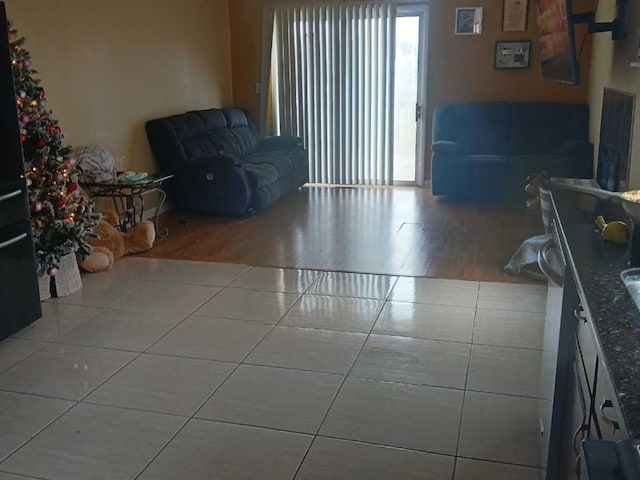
(485, 151)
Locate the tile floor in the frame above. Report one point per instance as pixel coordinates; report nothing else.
(163, 369)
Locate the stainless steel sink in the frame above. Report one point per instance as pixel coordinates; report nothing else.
(631, 279)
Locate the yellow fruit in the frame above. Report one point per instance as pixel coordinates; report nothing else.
(615, 232)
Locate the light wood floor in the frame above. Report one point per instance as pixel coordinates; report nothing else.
(399, 231)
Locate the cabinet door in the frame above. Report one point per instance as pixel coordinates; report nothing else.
(19, 297)
(606, 409)
(587, 343)
(548, 372)
(13, 202)
(576, 429)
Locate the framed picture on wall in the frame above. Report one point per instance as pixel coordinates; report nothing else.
(514, 15)
(469, 21)
(512, 55)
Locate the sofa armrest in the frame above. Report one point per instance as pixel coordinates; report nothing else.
(444, 147)
(279, 143)
(582, 154)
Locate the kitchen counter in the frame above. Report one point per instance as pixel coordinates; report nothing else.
(596, 266)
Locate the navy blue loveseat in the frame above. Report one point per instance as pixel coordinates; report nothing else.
(220, 164)
(484, 151)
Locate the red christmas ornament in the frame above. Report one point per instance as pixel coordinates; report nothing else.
(72, 187)
(42, 94)
(59, 202)
(23, 138)
(41, 143)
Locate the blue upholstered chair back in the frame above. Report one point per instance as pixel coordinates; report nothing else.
(511, 128)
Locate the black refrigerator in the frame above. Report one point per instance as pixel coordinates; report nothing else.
(19, 297)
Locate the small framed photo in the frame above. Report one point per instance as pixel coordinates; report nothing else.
(469, 21)
(514, 15)
(512, 55)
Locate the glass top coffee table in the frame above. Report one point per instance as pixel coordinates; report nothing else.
(128, 198)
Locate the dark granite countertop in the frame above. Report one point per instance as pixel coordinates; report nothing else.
(616, 320)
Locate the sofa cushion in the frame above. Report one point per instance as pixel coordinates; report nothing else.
(229, 130)
(482, 139)
(198, 148)
(241, 128)
(212, 119)
(245, 140)
(281, 161)
(186, 126)
(262, 173)
(535, 139)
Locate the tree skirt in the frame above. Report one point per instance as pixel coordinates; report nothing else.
(65, 282)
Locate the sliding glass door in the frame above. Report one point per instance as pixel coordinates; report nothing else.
(409, 147)
(350, 80)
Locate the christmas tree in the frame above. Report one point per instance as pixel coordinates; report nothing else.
(61, 216)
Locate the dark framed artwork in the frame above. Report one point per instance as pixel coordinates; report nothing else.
(614, 149)
(469, 21)
(512, 55)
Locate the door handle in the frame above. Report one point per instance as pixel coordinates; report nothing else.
(578, 467)
(17, 239)
(578, 313)
(9, 195)
(608, 404)
(581, 429)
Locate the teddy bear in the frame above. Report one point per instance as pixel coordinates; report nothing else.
(111, 244)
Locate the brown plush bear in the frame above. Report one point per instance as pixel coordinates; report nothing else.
(112, 244)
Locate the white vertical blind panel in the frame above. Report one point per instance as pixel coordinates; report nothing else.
(322, 103)
(389, 94)
(335, 88)
(315, 160)
(360, 111)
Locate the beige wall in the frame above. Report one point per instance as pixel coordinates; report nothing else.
(109, 65)
(460, 68)
(611, 68)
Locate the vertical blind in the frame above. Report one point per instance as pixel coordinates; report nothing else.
(333, 84)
